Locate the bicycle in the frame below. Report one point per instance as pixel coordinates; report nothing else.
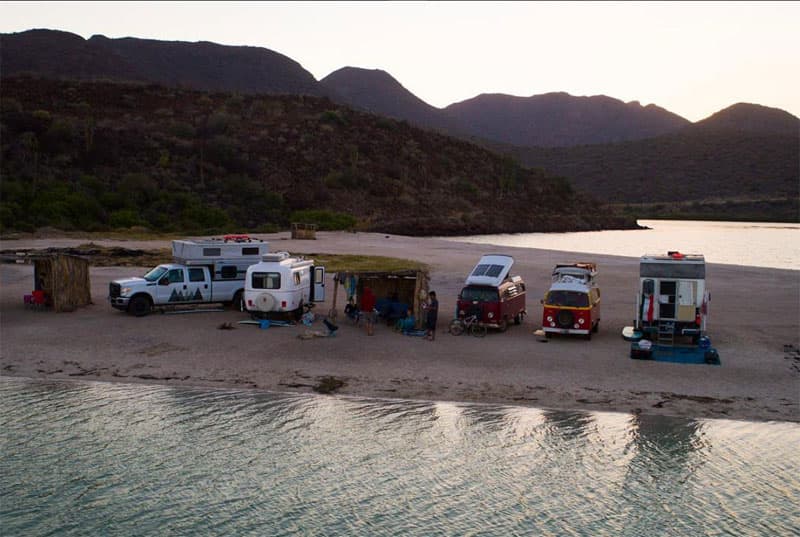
(469, 324)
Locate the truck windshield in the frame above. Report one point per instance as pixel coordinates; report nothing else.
(572, 299)
(155, 274)
(480, 294)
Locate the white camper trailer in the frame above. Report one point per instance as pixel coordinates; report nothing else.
(282, 283)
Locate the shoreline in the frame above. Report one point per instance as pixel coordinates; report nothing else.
(756, 380)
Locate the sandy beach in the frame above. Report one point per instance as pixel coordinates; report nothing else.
(754, 323)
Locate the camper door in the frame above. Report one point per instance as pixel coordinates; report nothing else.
(318, 285)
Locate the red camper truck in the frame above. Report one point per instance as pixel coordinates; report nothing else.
(493, 296)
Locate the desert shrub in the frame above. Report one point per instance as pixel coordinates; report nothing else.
(124, 218)
(347, 179)
(220, 122)
(42, 115)
(183, 129)
(386, 124)
(325, 220)
(332, 117)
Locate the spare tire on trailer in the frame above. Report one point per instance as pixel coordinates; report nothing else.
(265, 302)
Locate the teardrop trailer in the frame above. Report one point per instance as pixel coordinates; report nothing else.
(671, 310)
(491, 295)
(282, 284)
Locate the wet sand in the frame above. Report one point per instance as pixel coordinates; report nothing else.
(754, 323)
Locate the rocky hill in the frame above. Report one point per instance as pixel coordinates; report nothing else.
(376, 91)
(560, 119)
(741, 163)
(99, 155)
(549, 120)
(203, 65)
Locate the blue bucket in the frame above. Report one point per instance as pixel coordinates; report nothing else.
(264, 324)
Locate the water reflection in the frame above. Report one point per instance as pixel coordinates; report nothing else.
(666, 454)
(92, 458)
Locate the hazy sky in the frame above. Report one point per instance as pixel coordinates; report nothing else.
(692, 58)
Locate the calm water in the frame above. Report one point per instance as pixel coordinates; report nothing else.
(83, 458)
(732, 243)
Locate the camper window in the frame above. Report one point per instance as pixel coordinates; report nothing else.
(251, 250)
(297, 278)
(228, 272)
(196, 275)
(266, 280)
(212, 252)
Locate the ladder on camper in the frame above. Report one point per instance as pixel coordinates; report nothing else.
(666, 333)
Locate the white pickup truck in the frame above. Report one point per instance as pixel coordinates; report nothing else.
(208, 271)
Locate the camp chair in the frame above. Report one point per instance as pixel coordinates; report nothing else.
(38, 300)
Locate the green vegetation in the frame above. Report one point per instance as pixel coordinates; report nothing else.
(101, 156)
(325, 220)
(365, 263)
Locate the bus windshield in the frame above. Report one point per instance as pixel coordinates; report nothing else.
(479, 294)
(573, 299)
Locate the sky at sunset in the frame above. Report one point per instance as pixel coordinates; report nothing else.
(693, 58)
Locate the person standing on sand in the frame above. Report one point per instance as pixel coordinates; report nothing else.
(432, 315)
(368, 309)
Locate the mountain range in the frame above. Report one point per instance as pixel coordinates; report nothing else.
(617, 151)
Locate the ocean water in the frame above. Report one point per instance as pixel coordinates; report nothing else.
(773, 245)
(89, 458)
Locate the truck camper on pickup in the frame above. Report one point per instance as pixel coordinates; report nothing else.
(204, 271)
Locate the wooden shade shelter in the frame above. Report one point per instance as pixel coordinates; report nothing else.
(406, 286)
(64, 280)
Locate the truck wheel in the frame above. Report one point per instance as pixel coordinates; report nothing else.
(139, 306)
(238, 301)
(518, 319)
(596, 327)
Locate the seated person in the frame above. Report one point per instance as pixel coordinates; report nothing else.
(408, 322)
(351, 311)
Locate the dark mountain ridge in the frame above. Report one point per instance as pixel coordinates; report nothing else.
(560, 119)
(202, 65)
(100, 155)
(376, 91)
(750, 118)
(745, 156)
(625, 153)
